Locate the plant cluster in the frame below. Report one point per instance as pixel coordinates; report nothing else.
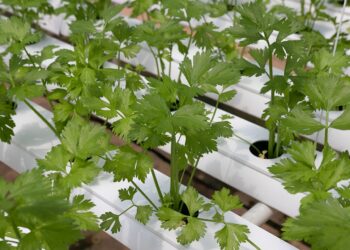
(164, 109)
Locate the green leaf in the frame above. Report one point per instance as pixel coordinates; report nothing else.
(193, 201)
(127, 194)
(55, 160)
(192, 231)
(143, 213)
(343, 121)
(84, 140)
(81, 172)
(231, 236)
(194, 71)
(128, 163)
(191, 118)
(6, 122)
(82, 215)
(227, 96)
(170, 219)
(302, 121)
(225, 200)
(297, 173)
(110, 221)
(325, 225)
(88, 76)
(14, 28)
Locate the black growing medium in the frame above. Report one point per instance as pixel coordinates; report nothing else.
(261, 147)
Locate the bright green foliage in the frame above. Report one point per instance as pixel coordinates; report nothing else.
(225, 201)
(170, 218)
(143, 213)
(128, 164)
(231, 236)
(256, 24)
(300, 173)
(324, 224)
(75, 160)
(193, 228)
(193, 201)
(29, 10)
(84, 140)
(302, 121)
(81, 214)
(53, 222)
(204, 70)
(160, 36)
(7, 109)
(110, 222)
(127, 194)
(192, 231)
(16, 33)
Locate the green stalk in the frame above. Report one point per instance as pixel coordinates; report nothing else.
(174, 174)
(197, 161)
(118, 67)
(278, 145)
(144, 195)
(44, 82)
(302, 7)
(160, 62)
(156, 60)
(157, 185)
(187, 48)
(42, 118)
(325, 143)
(133, 205)
(249, 143)
(272, 130)
(15, 229)
(253, 244)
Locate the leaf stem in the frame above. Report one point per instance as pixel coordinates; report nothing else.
(144, 195)
(43, 82)
(133, 205)
(187, 48)
(174, 174)
(42, 118)
(155, 59)
(325, 143)
(253, 244)
(248, 142)
(157, 185)
(15, 229)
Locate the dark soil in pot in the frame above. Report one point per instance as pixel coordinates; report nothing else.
(260, 148)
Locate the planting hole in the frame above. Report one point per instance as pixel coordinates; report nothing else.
(260, 148)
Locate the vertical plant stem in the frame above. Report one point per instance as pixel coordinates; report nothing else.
(174, 174)
(197, 161)
(325, 143)
(144, 195)
(171, 59)
(302, 7)
(42, 118)
(272, 129)
(118, 66)
(157, 185)
(160, 62)
(187, 47)
(15, 229)
(43, 82)
(278, 145)
(155, 59)
(253, 244)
